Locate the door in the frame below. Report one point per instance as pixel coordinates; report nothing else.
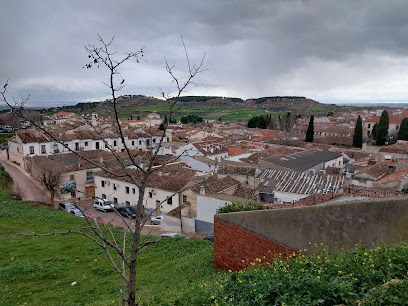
(157, 208)
(90, 190)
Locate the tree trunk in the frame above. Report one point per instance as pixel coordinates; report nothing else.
(135, 243)
(52, 195)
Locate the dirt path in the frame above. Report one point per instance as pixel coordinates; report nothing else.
(28, 190)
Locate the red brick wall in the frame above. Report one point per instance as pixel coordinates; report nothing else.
(236, 247)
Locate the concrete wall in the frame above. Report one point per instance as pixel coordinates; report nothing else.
(342, 222)
(204, 227)
(170, 224)
(206, 207)
(188, 225)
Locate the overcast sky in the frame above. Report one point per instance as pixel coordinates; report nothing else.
(329, 51)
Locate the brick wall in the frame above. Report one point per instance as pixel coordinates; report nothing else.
(236, 247)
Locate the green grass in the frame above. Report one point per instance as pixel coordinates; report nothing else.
(212, 112)
(4, 136)
(40, 270)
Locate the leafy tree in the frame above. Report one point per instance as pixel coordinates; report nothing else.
(358, 133)
(375, 131)
(310, 130)
(382, 134)
(403, 131)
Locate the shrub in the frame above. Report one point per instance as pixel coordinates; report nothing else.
(235, 207)
(320, 278)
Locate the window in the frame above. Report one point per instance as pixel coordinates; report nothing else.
(103, 196)
(43, 151)
(369, 125)
(115, 187)
(184, 198)
(133, 142)
(106, 145)
(115, 200)
(97, 145)
(133, 190)
(127, 189)
(170, 200)
(368, 133)
(103, 183)
(89, 176)
(154, 139)
(147, 142)
(150, 194)
(397, 127)
(71, 177)
(76, 146)
(127, 203)
(31, 149)
(86, 143)
(140, 142)
(114, 143)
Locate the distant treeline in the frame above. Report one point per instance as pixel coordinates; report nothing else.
(191, 118)
(276, 98)
(205, 98)
(283, 123)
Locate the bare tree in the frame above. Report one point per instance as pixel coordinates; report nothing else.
(122, 256)
(50, 178)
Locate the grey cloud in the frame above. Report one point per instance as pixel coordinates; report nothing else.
(252, 47)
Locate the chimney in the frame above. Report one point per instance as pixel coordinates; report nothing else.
(202, 190)
(94, 121)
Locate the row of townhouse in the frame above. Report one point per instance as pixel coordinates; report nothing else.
(34, 142)
(163, 191)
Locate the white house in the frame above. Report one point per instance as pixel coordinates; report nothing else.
(209, 149)
(162, 191)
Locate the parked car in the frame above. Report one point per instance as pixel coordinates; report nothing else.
(156, 220)
(66, 206)
(77, 212)
(172, 235)
(126, 211)
(209, 237)
(103, 205)
(96, 218)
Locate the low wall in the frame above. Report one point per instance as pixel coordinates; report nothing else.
(204, 227)
(170, 224)
(188, 225)
(342, 222)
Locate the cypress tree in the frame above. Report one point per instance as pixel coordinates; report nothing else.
(358, 134)
(403, 131)
(382, 130)
(375, 131)
(310, 130)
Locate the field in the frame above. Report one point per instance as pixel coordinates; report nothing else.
(40, 270)
(213, 112)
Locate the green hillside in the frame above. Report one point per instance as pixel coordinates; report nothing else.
(40, 270)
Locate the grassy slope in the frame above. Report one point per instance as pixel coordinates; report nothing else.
(39, 270)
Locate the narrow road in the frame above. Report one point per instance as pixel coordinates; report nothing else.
(27, 189)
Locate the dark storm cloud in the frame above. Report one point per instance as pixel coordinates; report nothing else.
(326, 50)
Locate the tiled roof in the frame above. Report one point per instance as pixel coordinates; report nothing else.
(215, 185)
(282, 150)
(373, 172)
(172, 177)
(298, 182)
(235, 151)
(205, 147)
(237, 170)
(392, 177)
(400, 147)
